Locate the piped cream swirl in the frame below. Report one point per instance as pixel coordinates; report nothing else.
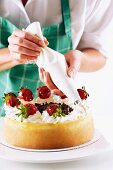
(78, 111)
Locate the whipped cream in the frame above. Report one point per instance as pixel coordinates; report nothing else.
(48, 100)
(78, 111)
(26, 102)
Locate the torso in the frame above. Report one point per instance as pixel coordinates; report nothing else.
(84, 14)
(35, 10)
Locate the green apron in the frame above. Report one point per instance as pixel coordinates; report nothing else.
(59, 37)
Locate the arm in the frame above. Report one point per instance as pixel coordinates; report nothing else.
(22, 47)
(5, 60)
(92, 60)
(93, 47)
(86, 60)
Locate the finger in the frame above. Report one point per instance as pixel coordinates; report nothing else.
(48, 81)
(57, 92)
(21, 57)
(41, 74)
(23, 50)
(73, 67)
(29, 36)
(23, 42)
(71, 72)
(46, 42)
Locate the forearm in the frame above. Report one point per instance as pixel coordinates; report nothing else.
(91, 60)
(5, 60)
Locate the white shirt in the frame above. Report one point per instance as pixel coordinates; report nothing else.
(91, 19)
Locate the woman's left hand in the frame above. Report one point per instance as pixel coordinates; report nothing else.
(73, 60)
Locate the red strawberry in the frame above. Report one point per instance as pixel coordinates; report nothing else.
(44, 92)
(31, 109)
(52, 108)
(11, 100)
(83, 93)
(27, 109)
(25, 94)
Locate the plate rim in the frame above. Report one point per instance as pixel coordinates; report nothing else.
(66, 159)
(56, 160)
(97, 135)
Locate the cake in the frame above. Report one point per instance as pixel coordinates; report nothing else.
(46, 122)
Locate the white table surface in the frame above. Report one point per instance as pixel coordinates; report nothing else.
(102, 161)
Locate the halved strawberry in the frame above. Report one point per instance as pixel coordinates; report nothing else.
(25, 94)
(11, 100)
(52, 108)
(31, 109)
(83, 93)
(44, 92)
(27, 109)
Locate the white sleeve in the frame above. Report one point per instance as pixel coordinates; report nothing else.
(98, 30)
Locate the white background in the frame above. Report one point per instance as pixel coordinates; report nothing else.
(100, 86)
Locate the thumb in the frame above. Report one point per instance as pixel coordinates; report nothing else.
(45, 41)
(73, 68)
(73, 59)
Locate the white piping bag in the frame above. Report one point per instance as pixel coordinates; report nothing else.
(54, 62)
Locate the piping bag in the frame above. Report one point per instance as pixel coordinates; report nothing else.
(54, 62)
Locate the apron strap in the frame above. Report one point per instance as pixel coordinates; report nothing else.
(66, 16)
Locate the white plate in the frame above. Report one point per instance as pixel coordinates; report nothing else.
(97, 145)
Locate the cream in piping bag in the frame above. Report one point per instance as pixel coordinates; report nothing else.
(54, 62)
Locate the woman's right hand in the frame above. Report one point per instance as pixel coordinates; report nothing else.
(24, 46)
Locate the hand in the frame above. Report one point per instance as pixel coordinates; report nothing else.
(24, 46)
(73, 59)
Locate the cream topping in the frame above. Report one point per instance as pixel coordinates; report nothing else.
(78, 111)
(48, 100)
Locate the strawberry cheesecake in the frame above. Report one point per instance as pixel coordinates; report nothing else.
(47, 121)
